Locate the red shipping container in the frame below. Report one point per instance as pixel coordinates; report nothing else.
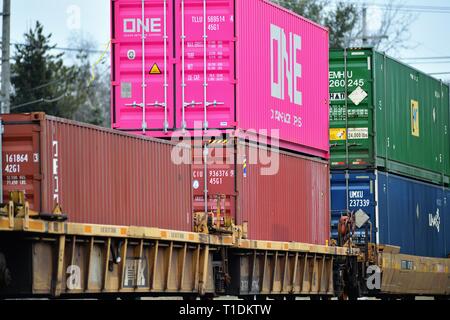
(282, 196)
(97, 175)
(220, 65)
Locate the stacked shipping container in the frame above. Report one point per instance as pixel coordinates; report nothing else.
(405, 212)
(249, 73)
(220, 65)
(394, 118)
(96, 175)
(388, 120)
(282, 196)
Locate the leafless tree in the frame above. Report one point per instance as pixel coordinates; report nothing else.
(344, 18)
(393, 34)
(94, 72)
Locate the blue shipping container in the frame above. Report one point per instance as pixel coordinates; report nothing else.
(404, 212)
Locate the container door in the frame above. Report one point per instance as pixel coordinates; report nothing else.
(220, 178)
(351, 109)
(446, 224)
(351, 192)
(205, 56)
(21, 162)
(416, 222)
(445, 116)
(142, 74)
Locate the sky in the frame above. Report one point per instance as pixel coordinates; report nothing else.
(430, 32)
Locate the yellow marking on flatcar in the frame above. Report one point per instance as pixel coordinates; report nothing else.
(36, 226)
(4, 223)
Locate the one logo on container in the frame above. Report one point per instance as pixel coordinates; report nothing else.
(135, 25)
(285, 65)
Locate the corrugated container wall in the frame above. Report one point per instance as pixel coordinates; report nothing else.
(97, 175)
(248, 65)
(282, 196)
(292, 204)
(404, 212)
(395, 117)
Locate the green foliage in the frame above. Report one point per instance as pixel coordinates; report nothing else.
(42, 82)
(341, 20)
(94, 107)
(40, 79)
(311, 9)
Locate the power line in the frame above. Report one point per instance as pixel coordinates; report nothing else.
(437, 73)
(407, 8)
(45, 85)
(57, 48)
(426, 58)
(429, 62)
(42, 100)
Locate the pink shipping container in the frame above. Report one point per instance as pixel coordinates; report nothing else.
(97, 175)
(220, 65)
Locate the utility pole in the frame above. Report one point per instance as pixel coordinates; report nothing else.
(364, 25)
(365, 37)
(6, 67)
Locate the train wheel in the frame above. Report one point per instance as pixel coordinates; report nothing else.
(409, 298)
(130, 298)
(343, 297)
(5, 275)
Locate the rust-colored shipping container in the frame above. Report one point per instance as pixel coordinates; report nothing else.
(96, 175)
(282, 196)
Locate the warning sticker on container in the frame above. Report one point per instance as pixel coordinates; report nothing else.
(155, 69)
(338, 134)
(358, 96)
(337, 96)
(415, 124)
(125, 90)
(358, 133)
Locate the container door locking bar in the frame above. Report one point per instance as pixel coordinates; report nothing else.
(166, 85)
(144, 85)
(183, 83)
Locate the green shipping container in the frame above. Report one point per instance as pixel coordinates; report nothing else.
(385, 114)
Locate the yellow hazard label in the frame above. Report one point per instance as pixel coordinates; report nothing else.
(155, 69)
(415, 120)
(218, 141)
(338, 134)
